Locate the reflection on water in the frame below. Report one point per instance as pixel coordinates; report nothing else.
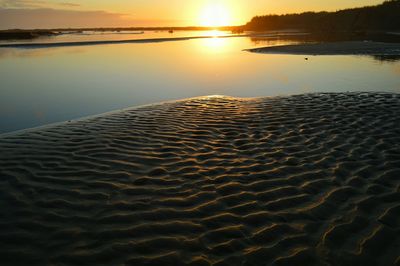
(40, 86)
(275, 41)
(214, 45)
(396, 69)
(388, 58)
(32, 53)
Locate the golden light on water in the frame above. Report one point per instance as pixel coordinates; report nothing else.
(215, 15)
(215, 44)
(215, 33)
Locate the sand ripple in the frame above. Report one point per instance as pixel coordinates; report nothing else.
(302, 180)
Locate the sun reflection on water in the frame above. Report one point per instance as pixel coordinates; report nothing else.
(216, 33)
(215, 43)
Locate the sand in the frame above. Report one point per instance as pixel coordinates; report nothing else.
(310, 179)
(334, 48)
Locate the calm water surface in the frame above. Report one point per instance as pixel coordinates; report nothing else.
(41, 86)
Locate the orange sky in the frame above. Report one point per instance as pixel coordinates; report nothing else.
(103, 13)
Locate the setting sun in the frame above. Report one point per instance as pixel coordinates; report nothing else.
(215, 15)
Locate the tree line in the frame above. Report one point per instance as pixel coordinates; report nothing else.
(385, 16)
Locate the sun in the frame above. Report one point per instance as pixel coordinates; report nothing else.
(215, 15)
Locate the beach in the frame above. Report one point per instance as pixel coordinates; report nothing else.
(309, 179)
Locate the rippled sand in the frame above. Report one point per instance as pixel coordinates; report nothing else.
(302, 180)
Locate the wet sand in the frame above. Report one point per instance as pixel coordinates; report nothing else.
(300, 180)
(334, 48)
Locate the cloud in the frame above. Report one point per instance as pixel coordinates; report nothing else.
(36, 14)
(47, 18)
(33, 4)
(58, 18)
(22, 3)
(70, 4)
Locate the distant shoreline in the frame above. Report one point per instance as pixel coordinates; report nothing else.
(29, 34)
(33, 45)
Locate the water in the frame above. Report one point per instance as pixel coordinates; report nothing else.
(116, 36)
(41, 86)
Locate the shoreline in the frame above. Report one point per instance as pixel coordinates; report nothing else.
(334, 48)
(90, 43)
(294, 180)
(156, 104)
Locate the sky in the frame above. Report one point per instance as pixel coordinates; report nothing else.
(124, 13)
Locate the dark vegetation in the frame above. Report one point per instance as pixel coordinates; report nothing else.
(383, 17)
(24, 34)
